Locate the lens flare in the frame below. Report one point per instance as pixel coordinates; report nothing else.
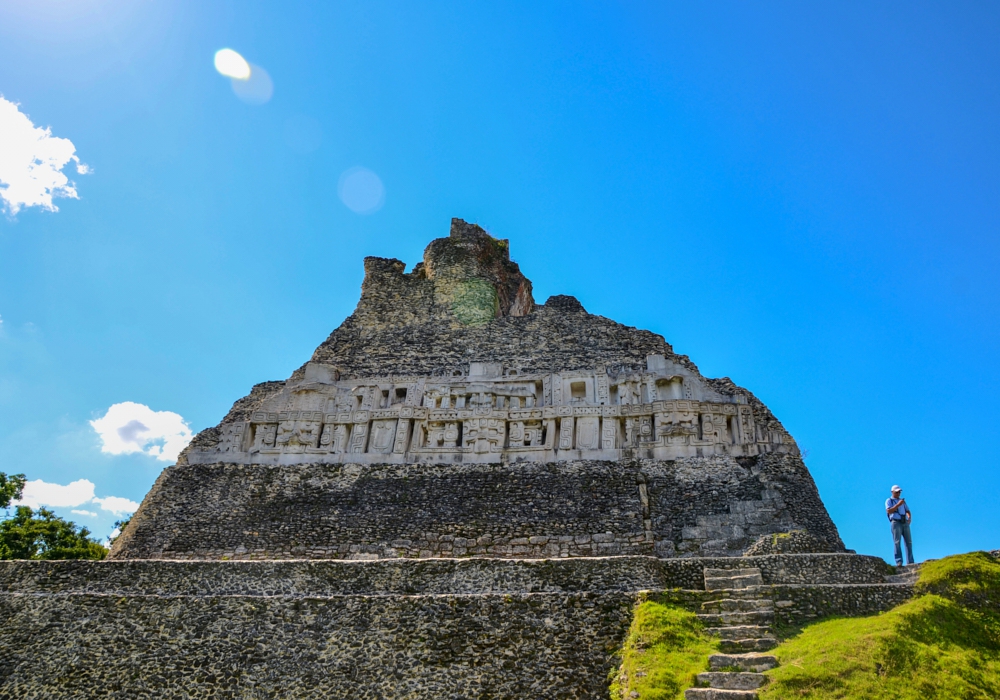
(361, 190)
(255, 90)
(232, 65)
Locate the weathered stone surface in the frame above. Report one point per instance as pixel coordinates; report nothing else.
(497, 646)
(414, 429)
(586, 508)
(791, 542)
(419, 576)
(405, 628)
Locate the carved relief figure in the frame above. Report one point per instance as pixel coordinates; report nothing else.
(608, 433)
(588, 433)
(232, 438)
(602, 389)
(383, 432)
(402, 436)
(484, 435)
(339, 443)
(566, 433)
(295, 436)
(285, 430)
(359, 438)
(451, 435)
(646, 429)
(435, 434)
(326, 438)
(747, 425)
(264, 436)
(516, 434)
(533, 434)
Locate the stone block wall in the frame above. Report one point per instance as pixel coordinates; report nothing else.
(499, 646)
(570, 509)
(417, 577)
(406, 629)
(799, 604)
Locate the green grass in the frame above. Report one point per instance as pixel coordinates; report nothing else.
(665, 649)
(945, 643)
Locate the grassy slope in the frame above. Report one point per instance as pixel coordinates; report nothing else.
(945, 643)
(664, 650)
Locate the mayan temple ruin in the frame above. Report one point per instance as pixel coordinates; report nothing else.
(462, 494)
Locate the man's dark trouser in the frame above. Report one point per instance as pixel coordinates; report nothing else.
(901, 529)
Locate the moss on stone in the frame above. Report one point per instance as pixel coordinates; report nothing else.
(475, 302)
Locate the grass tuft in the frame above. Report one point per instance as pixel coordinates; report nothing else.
(664, 650)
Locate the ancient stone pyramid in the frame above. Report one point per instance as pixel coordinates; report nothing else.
(466, 490)
(450, 415)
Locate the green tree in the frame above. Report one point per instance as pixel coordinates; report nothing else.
(119, 525)
(11, 488)
(44, 535)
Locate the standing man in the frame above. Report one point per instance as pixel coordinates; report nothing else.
(899, 519)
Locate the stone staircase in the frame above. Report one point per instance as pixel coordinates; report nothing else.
(905, 574)
(741, 617)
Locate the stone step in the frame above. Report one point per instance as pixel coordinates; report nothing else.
(741, 632)
(751, 593)
(719, 694)
(726, 573)
(747, 662)
(730, 680)
(904, 574)
(729, 619)
(737, 605)
(733, 582)
(737, 646)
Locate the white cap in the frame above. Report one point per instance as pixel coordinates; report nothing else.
(896, 488)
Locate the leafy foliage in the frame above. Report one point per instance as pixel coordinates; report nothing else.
(120, 526)
(664, 650)
(11, 488)
(44, 535)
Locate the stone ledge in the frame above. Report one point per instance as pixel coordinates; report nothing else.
(419, 576)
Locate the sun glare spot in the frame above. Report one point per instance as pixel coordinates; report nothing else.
(361, 190)
(232, 65)
(255, 90)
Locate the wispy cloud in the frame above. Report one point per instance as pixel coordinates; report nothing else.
(130, 427)
(90, 513)
(32, 162)
(38, 493)
(117, 505)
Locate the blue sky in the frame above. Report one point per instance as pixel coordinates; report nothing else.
(802, 197)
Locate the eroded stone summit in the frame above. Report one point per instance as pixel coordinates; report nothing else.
(589, 437)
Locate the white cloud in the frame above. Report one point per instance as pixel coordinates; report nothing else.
(91, 513)
(39, 493)
(117, 505)
(129, 427)
(31, 162)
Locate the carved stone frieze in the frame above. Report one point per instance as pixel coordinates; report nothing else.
(499, 416)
